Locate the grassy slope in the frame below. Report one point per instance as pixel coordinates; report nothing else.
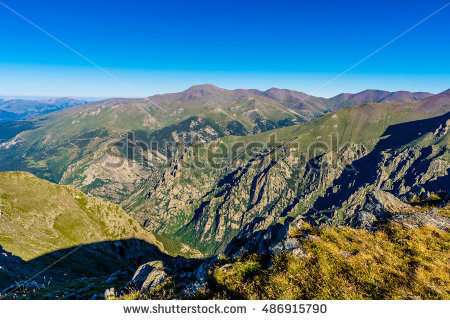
(396, 262)
(362, 124)
(358, 124)
(70, 135)
(40, 217)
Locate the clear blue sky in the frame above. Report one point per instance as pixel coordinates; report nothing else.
(166, 46)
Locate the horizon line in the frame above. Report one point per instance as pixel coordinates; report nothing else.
(101, 97)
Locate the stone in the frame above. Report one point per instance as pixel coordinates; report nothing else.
(345, 254)
(109, 293)
(420, 219)
(148, 276)
(379, 205)
(227, 267)
(288, 245)
(202, 272)
(154, 279)
(299, 252)
(193, 288)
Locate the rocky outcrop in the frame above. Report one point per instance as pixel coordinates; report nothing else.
(420, 219)
(148, 276)
(379, 205)
(352, 185)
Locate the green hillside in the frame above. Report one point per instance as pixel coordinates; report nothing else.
(206, 207)
(69, 146)
(39, 217)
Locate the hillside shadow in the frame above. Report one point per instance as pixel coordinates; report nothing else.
(99, 259)
(11, 267)
(9, 130)
(363, 172)
(258, 241)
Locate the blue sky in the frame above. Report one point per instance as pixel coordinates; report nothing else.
(166, 46)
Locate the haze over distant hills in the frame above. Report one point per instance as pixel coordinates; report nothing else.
(68, 146)
(18, 109)
(307, 105)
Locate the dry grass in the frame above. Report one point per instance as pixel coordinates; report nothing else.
(396, 262)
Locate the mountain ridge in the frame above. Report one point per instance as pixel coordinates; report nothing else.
(21, 109)
(217, 204)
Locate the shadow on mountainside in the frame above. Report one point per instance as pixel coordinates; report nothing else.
(363, 172)
(97, 259)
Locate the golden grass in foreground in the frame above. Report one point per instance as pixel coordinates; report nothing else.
(395, 262)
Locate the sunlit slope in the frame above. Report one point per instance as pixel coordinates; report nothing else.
(206, 207)
(38, 217)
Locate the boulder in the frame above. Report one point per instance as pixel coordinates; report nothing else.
(202, 272)
(148, 276)
(379, 205)
(193, 288)
(110, 293)
(227, 267)
(382, 203)
(420, 219)
(290, 245)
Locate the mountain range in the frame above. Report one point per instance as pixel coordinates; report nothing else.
(20, 109)
(235, 178)
(67, 146)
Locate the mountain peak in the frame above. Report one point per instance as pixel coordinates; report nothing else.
(201, 90)
(209, 88)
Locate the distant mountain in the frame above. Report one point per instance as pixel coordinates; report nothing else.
(401, 148)
(76, 137)
(305, 106)
(20, 109)
(346, 99)
(6, 116)
(315, 106)
(68, 146)
(317, 189)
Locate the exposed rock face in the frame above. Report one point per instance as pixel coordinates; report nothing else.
(382, 203)
(379, 206)
(289, 245)
(216, 207)
(420, 219)
(207, 208)
(148, 276)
